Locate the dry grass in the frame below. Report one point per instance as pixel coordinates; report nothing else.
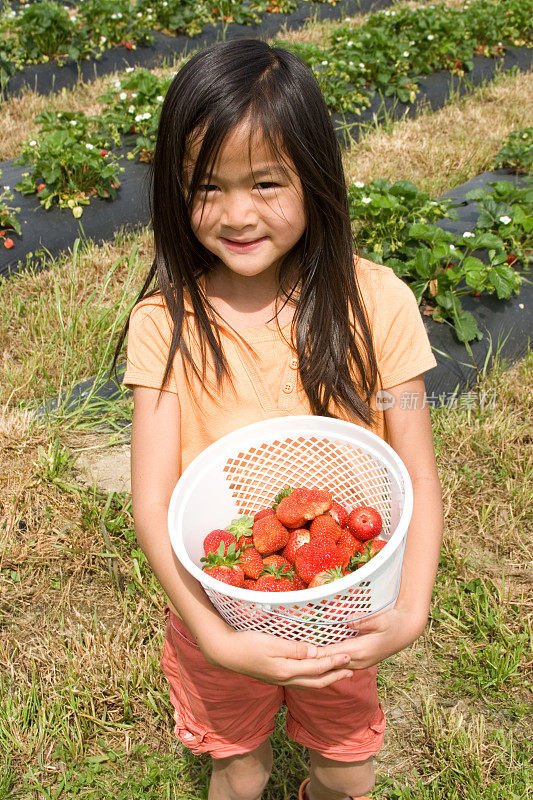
(440, 150)
(43, 319)
(81, 632)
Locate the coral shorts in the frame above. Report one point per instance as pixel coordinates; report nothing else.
(222, 713)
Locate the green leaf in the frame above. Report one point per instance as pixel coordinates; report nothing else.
(475, 273)
(465, 325)
(504, 279)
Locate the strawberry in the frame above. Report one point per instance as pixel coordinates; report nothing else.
(278, 562)
(365, 523)
(371, 548)
(214, 539)
(339, 513)
(224, 568)
(327, 576)
(347, 546)
(297, 538)
(325, 524)
(264, 512)
(251, 562)
(250, 584)
(285, 492)
(302, 505)
(273, 583)
(318, 555)
(269, 535)
(298, 583)
(241, 529)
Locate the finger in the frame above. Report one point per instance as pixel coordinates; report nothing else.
(313, 666)
(320, 682)
(286, 648)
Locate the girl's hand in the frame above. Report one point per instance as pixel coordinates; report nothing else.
(278, 661)
(379, 637)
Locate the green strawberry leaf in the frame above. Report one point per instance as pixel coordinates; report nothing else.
(241, 526)
(285, 492)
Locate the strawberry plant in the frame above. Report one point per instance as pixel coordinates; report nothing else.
(105, 23)
(8, 220)
(70, 162)
(505, 210)
(45, 30)
(134, 106)
(395, 226)
(390, 51)
(516, 152)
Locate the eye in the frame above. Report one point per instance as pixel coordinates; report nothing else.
(206, 187)
(268, 184)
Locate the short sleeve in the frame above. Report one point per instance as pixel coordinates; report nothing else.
(403, 349)
(149, 336)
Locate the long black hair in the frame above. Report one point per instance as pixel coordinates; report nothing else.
(271, 87)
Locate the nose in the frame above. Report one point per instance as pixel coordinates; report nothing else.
(237, 210)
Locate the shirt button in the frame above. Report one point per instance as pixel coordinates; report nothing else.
(287, 388)
(293, 363)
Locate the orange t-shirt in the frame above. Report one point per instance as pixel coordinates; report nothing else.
(265, 378)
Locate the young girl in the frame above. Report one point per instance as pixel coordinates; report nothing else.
(261, 309)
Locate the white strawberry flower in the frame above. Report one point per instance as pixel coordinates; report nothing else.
(123, 95)
(366, 200)
(468, 235)
(73, 122)
(405, 53)
(139, 14)
(363, 66)
(33, 143)
(505, 220)
(358, 184)
(159, 98)
(131, 110)
(324, 63)
(89, 146)
(452, 247)
(139, 117)
(7, 188)
(133, 94)
(349, 44)
(103, 39)
(130, 69)
(430, 37)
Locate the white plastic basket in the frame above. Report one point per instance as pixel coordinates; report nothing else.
(242, 472)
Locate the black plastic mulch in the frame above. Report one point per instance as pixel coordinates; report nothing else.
(507, 325)
(49, 77)
(55, 230)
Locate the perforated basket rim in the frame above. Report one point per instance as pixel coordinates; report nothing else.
(274, 428)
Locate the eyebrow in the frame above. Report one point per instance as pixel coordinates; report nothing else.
(262, 172)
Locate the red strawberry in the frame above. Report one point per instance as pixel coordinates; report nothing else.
(327, 576)
(325, 524)
(302, 505)
(365, 523)
(318, 555)
(278, 562)
(241, 529)
(339, 514)
(371, 548)
(265, 512)
(285, 492)
(251, 562)
(297, 538)
(214, 539)
(270, 583)
(298, 583)
(224, 568)
(250, 584)
(347, 546)
(269, 535)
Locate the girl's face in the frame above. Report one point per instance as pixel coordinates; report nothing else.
(252, 216)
